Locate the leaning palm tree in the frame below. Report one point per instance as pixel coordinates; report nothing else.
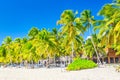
(91, 48)
(88, 21)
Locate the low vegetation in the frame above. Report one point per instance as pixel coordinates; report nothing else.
(79, 64)
(118, 68)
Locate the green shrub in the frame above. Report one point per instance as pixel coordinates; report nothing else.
(78, 64)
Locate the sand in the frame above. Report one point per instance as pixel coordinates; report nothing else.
(106, 73)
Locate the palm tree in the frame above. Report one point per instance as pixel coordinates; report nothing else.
(56, 40)
(17, 45)
(87, 20)
(71, 28)
(116, 1)
(7, 42)
(117, 38)
(33, 32)
(47, 44)
(94, 46)
(26, 52)
(109, 26)
(2, 54)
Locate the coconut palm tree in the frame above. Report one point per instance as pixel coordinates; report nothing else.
(26, 52)
(116, 1)
(71, 28)
(90, 47)
(109, 26)
(3, 54)
(33, 32)
(87, 20)
(56, 41)
(117, 38)
(7, 42)
(47, 44)
(17, 45)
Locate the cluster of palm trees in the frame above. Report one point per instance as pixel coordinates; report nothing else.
(68, 40)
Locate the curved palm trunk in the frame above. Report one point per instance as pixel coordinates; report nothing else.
(98, 59)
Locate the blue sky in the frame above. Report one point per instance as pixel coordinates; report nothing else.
(17, 17)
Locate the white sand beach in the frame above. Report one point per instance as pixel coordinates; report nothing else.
(107, 73)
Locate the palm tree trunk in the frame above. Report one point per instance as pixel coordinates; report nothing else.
(48, 61)
(72, 50)
(26, 63)
(10, 60)
(83, 48)
(98, 59)
(32, 64)
(54, 59)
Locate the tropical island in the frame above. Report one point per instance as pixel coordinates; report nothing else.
(67, 47)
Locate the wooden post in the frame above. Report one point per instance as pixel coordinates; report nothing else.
(102, 59)
(119, 59)
(108, 60)
(114, 59)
